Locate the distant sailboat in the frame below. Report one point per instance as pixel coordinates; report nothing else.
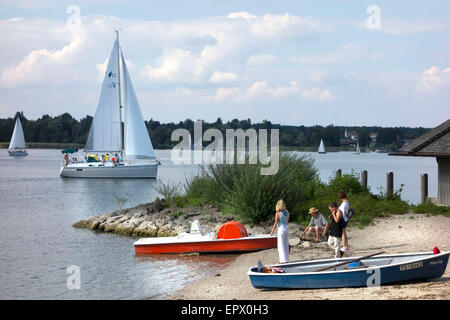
(118, 131)
(358, 151)
(17, 144)
(321, 147)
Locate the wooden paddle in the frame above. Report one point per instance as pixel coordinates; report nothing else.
(347, 262)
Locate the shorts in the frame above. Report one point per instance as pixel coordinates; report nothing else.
(344, 224)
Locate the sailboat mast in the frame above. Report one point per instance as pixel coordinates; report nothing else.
(120, 94)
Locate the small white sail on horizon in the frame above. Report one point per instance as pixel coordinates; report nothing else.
(358, 151)
(321, 147)
(17, 144)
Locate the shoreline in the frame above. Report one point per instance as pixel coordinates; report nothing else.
(394, 234)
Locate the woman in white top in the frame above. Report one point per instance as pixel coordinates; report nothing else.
(281, 220)
(344, 209)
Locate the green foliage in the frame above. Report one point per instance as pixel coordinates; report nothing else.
(431, 208)
(241, 189)
(160, 204)
(366, 205)
(177, 214)
(347, 182)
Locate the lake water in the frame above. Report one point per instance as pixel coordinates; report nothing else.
(38, 242)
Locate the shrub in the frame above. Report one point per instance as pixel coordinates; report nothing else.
(431, 208)
(242, 190)
(348, 182)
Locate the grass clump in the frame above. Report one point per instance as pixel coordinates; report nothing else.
(431, 208)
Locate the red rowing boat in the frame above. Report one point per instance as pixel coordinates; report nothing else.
(232, 237)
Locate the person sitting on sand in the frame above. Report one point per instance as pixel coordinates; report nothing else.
(335, 237)
(317, 224)
(281, 220)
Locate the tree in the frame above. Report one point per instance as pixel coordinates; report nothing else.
(301, 140)
(364, 138)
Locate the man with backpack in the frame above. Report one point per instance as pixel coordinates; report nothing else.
(346, 212)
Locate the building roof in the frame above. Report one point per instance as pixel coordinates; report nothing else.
(435, 142)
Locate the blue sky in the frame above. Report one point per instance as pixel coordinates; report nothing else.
(291, 62)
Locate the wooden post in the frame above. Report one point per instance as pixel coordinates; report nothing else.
(338, 173)
(364, 179)
(390, 184)
(424, 187)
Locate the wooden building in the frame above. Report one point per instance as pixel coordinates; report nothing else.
(434, 143)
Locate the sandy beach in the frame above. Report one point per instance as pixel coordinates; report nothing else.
(394, 234)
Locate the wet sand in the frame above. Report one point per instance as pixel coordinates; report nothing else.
(394, 234)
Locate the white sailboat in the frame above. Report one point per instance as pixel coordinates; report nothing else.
(17, 144)
(358, 151)
(321, 147)
(118, 131)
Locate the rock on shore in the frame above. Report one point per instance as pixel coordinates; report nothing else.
(155, 220)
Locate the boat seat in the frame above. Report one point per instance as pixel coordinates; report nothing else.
(376, 262)
(196, 227)
(197, 230)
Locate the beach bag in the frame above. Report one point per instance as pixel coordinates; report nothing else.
(350, 212)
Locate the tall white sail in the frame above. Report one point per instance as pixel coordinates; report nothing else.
(321, 147)
(18, 138)
(136, 139)
(357, 147)
(106, 129)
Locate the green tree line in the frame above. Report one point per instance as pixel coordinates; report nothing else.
(66, 129)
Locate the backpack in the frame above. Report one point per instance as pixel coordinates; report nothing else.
(350, 212)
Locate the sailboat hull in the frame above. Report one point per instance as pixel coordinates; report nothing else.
(17, 153)
(86, 170)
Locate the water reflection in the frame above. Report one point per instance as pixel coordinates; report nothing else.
(174, 271)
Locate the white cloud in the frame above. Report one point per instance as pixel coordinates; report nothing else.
(257, 90)
(223, 77)
(234, 37)
(180, 51)
(176, 65)
(433, 79)
(257, 60)
(35, 66)
(316, 94)
(262, 90)
(345, 53)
